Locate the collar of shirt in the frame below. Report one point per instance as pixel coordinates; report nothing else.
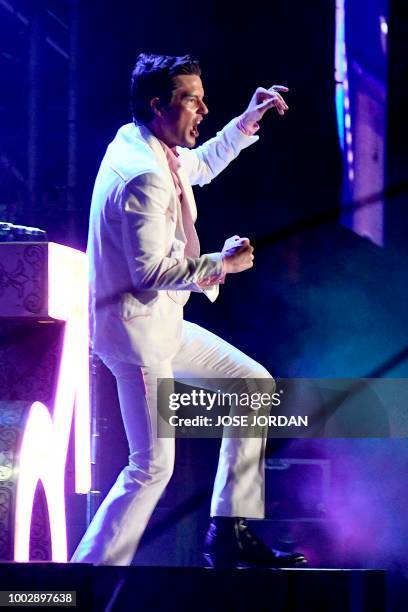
(171, 156)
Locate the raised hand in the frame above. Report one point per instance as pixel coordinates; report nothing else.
(262, 100)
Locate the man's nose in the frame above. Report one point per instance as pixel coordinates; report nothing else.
(203, 109)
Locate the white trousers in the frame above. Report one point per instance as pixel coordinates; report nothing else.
(117, 527)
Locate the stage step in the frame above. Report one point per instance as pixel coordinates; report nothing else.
(196, 589)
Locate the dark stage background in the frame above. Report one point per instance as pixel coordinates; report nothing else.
(291, 173)
(320, 301)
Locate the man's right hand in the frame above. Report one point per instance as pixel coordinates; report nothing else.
(237, 255)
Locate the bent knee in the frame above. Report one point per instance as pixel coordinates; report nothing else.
(261, 372)
(264, 378)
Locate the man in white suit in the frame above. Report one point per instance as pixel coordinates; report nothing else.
(144, 260)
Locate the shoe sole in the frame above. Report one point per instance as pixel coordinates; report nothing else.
(220, 563)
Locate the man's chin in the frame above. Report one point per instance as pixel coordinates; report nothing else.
(189, 141)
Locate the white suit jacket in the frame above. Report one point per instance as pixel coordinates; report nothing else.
(143, 257)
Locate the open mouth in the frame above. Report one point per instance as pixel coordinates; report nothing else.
(194, 131)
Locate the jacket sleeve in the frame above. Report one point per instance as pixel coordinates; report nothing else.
(144, 212)
(209, 159)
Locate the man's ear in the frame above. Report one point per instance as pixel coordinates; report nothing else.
(156, 107)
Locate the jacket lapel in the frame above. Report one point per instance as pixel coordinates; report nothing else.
(187, 212)
(160, 155)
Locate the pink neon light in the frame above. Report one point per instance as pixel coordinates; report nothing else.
(68, 300)
(45, 442)
(39, 444)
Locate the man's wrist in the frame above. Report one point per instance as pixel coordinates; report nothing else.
(247, 127)
(225, 266)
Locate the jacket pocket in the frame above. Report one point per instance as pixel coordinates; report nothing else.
(132, 307)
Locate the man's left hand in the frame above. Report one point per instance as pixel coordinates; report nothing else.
(262, 100)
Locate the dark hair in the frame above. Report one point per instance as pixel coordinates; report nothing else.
(153, 76)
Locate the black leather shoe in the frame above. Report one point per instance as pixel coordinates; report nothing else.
(230, 543)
